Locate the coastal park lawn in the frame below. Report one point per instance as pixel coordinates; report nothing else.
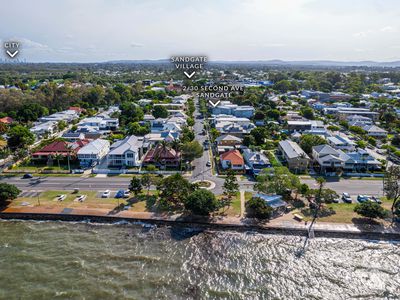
(344, 212)
(93, 200)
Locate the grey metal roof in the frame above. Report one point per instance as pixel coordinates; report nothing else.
(292, 149)
(132, 143)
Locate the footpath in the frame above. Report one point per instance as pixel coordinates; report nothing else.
(282, 225)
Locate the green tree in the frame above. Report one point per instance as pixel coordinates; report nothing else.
(370, 210)
(160, 112)
(231, 186)
(146, 181)
(187, 134)
(173, 190)
(307, 141)
(135, 185)
(8, 192)
(58, 157)
(192, 150)
(357, 129)
(136, 129)
(281, 182)
(201, 202)
(391, 187)
(20, 137)
(257, 208)
(62, 125)
(259, 134)
(308, 113)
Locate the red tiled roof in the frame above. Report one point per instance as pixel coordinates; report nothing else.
(75, 108)
(6, 120)
(233, 156)
(61, 147)
(161, 153)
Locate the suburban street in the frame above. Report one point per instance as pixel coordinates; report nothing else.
(353, 187)
(200, 171)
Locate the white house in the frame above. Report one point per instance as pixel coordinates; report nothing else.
(329, 159)
(256, 161)
(93, 152)
(340, 142)
(42, 128)
(126, 152)
(375, 131)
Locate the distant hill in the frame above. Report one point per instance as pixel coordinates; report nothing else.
(277, 62)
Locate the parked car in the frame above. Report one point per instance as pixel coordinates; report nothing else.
(120, 194)
(106, 194)
(61, 197)
(346, 198)
(127, 194)
(362, 198)
(81, 198)
(381, 151)
(336, 200)
(27, 176)
(208, 164)
(376, 199)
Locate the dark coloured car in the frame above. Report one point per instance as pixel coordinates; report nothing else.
(27, 176)
(377, 200)
(346, 198)
(120, 194)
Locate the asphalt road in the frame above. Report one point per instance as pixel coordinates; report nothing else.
(353, 187)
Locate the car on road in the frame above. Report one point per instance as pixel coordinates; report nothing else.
(106, 194)
(27, 176)
(120, 194)
(208, 164)
(363, 198)
(346, 198)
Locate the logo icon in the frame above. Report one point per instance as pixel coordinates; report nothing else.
(12, 48)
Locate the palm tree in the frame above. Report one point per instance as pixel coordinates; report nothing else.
(58, 157)
(176, 145)
(163, 146)
(69, 148)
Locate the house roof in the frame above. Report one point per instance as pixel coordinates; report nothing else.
(374, 128)
(255, 156)
(132, 143)
(275, 201)
(61, 147)
(233, 156)
(325, 150)
(292, 149)
(228, 137)
(94, 147)
(6, 120)
(161, 153)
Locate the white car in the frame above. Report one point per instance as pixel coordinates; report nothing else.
(127, 194)
(81, 198)
(61, 197)
(106, 194)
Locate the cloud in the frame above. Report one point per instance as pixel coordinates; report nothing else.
(388, 29)
(274, 45)
(29, 44)
(136, 45)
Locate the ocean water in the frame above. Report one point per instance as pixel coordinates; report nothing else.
(61, 260)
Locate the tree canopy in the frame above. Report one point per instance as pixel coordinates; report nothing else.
(201, 202)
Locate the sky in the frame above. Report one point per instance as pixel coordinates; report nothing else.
(104, 30)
